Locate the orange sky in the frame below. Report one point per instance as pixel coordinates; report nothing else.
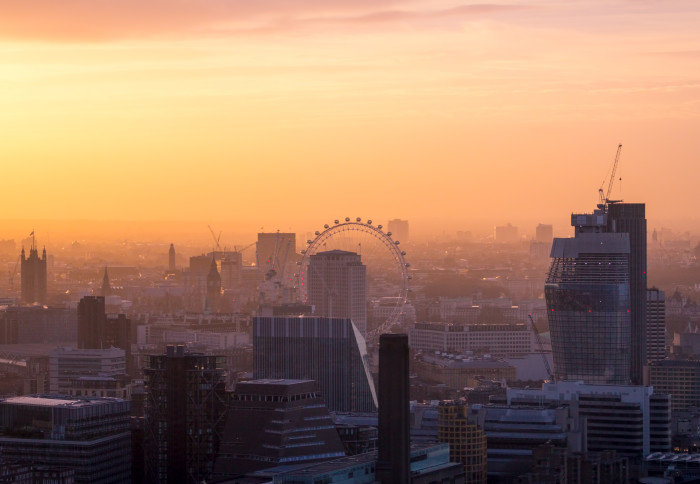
(289, 113)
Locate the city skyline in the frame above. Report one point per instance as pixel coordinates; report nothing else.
(198, 109)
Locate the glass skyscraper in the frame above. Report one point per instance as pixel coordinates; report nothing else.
(329, 350)
(588, 303)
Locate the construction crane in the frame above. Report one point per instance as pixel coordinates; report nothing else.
(605, 195)
(539, 345)
(216, 239)
(235, 247)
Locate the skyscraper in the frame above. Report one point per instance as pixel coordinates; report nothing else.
(33, 270)
(394, 412)
(328, 350)
(185, 413)
(91, 322)
(595, 291)
(656, 325)
(467, 441)
(337, 286)
(588, 303)
(629, 218)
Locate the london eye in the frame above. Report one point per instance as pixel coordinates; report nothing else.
(387, 269)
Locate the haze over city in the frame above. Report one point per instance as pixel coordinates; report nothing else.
(380, 242)
(285, 114)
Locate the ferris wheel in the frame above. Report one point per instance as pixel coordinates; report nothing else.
(387, 269)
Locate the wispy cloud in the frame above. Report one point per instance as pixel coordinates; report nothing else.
(105, 20)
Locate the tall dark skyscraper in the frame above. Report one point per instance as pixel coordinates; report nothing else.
(629, 218)
(185, 414)
(92, 322)
(596, 297)
(33, 270)
(337, 286)
(393, 466)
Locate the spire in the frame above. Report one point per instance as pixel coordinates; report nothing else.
(106, 287)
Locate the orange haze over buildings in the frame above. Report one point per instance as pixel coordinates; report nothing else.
(282, 113)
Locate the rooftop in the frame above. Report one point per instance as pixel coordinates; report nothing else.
(58, 401)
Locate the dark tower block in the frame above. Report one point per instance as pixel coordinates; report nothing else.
(91, 322)
(185, 412)
(393, 464)
(629, 218)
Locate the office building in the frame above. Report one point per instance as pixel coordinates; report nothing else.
(500, 339)
(588, 304)
(33, 271)
(459, 372)
(393, 463)
(398, 229)
(506, 234)
(632, 420)
(37, 324)
(276, 422)
(544, 234)
(596, 296)
(87, 435)
(337, 286)
(92, 322)
(678, 378)
(629, 218)
(656, 325)
(185, 411)
(330, 351)
(467, 441)
(68, 364)
(231, 270)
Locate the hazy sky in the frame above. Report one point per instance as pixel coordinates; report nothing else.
(285, 113)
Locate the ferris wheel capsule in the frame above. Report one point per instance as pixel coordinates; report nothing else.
(358, 219)
(336, 221)
(317, 233)
(408, 264)
(347, 219)
(325, 226)
(369, 222)
(303, 251)
(403, 252)
(309, 241)
(389, 234)
(379, 227)
(396, 242)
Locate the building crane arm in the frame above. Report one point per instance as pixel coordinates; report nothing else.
(612, 175)
(216, 239)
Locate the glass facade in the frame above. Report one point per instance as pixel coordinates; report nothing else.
(588, 304)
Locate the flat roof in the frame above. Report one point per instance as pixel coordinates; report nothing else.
(58, 401)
